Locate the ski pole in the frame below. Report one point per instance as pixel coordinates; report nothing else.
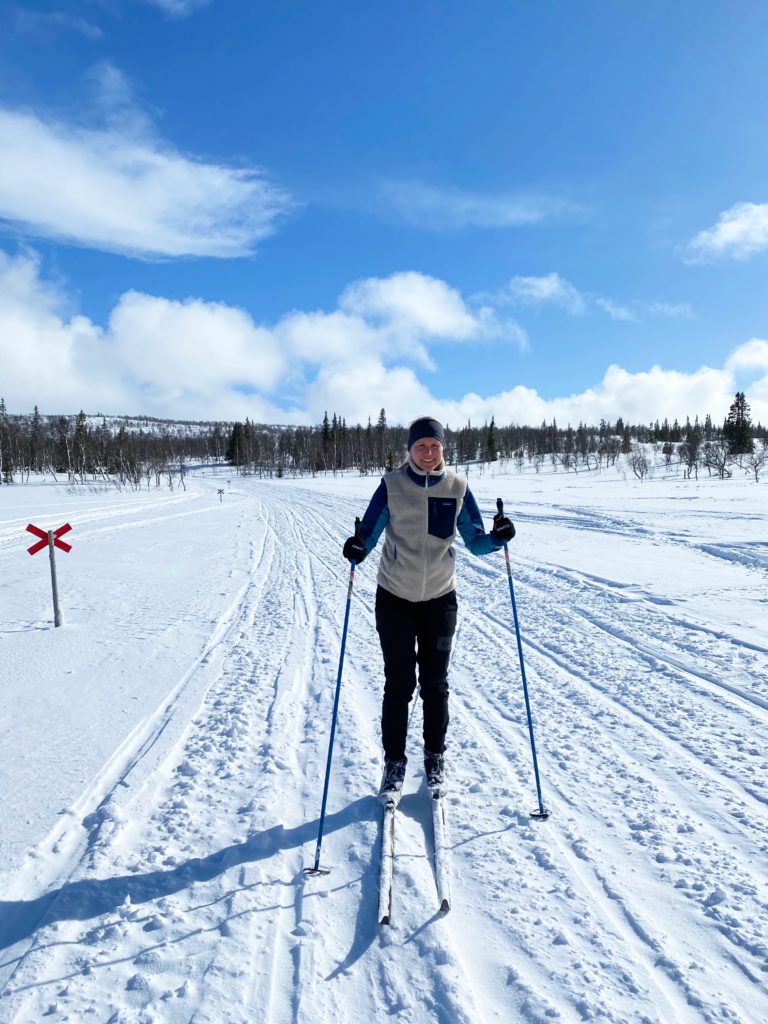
(316, 869)
(541, 812)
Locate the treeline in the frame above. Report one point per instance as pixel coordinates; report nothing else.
(134, 451)
(336, 447)
(142, 451)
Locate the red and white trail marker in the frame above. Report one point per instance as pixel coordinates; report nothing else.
(51, 540)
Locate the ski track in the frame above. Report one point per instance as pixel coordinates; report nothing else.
(665, 688)
(150, 918)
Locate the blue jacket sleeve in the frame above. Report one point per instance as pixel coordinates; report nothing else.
(376, 517)
(470, 524)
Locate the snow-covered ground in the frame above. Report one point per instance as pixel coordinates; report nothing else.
(163, 755)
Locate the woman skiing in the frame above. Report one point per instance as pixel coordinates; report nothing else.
(420, 506)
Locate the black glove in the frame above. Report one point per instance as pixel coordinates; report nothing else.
(354, 549)
(503, 528)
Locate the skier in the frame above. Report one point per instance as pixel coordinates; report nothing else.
(419, 506)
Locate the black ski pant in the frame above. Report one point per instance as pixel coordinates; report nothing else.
(415, 633)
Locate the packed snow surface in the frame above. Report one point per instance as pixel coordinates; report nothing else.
(163, 756)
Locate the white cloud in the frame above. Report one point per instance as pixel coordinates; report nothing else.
(637, 397)
(120, 188)
(740, 232)
(318, 337)
(205, 346)
(45, 23)
(396, 317)
(179, 8)
(752, 355)
(615, 310)
(46, 356)
(436, 208)
(500, 328)
(206, 360)
(112, 96)
(358, 392)
(654, 393)
(414, 302)
(359, 389)
(191, 359)
(550, 288)
(681, 310)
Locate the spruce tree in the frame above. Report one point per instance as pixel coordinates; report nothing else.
(6, 473)
(236, 447)
(37, 442)
(491, 449)
(381, 434)
(737, 429)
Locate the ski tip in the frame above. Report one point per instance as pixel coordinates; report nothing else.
(384, 920)
(445, 906)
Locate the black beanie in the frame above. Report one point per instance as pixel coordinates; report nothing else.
(425, 427)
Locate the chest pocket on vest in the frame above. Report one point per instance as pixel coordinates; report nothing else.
(442, 517)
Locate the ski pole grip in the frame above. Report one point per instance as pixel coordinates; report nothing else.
(500, 506)
(357, 526)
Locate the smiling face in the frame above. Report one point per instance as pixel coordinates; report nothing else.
(427, 453)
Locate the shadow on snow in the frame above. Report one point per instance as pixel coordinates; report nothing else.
(90, 898)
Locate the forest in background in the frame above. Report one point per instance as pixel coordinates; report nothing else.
(141, 451)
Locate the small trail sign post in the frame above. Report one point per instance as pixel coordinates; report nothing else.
(51, 539)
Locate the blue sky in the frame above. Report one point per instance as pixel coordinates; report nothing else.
(219, 209)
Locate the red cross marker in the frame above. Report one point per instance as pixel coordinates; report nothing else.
(43, 535)
(50, 539)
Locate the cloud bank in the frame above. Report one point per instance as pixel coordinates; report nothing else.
(206, 360)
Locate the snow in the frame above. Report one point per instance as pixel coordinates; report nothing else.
(164, 753)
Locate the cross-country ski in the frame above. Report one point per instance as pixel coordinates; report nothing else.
(387, 868)
(441, 862)
(442, 853)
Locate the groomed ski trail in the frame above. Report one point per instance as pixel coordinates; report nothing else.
(634, 902)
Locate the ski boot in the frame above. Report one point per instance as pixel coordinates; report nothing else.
(434, 769)
(392, 781)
